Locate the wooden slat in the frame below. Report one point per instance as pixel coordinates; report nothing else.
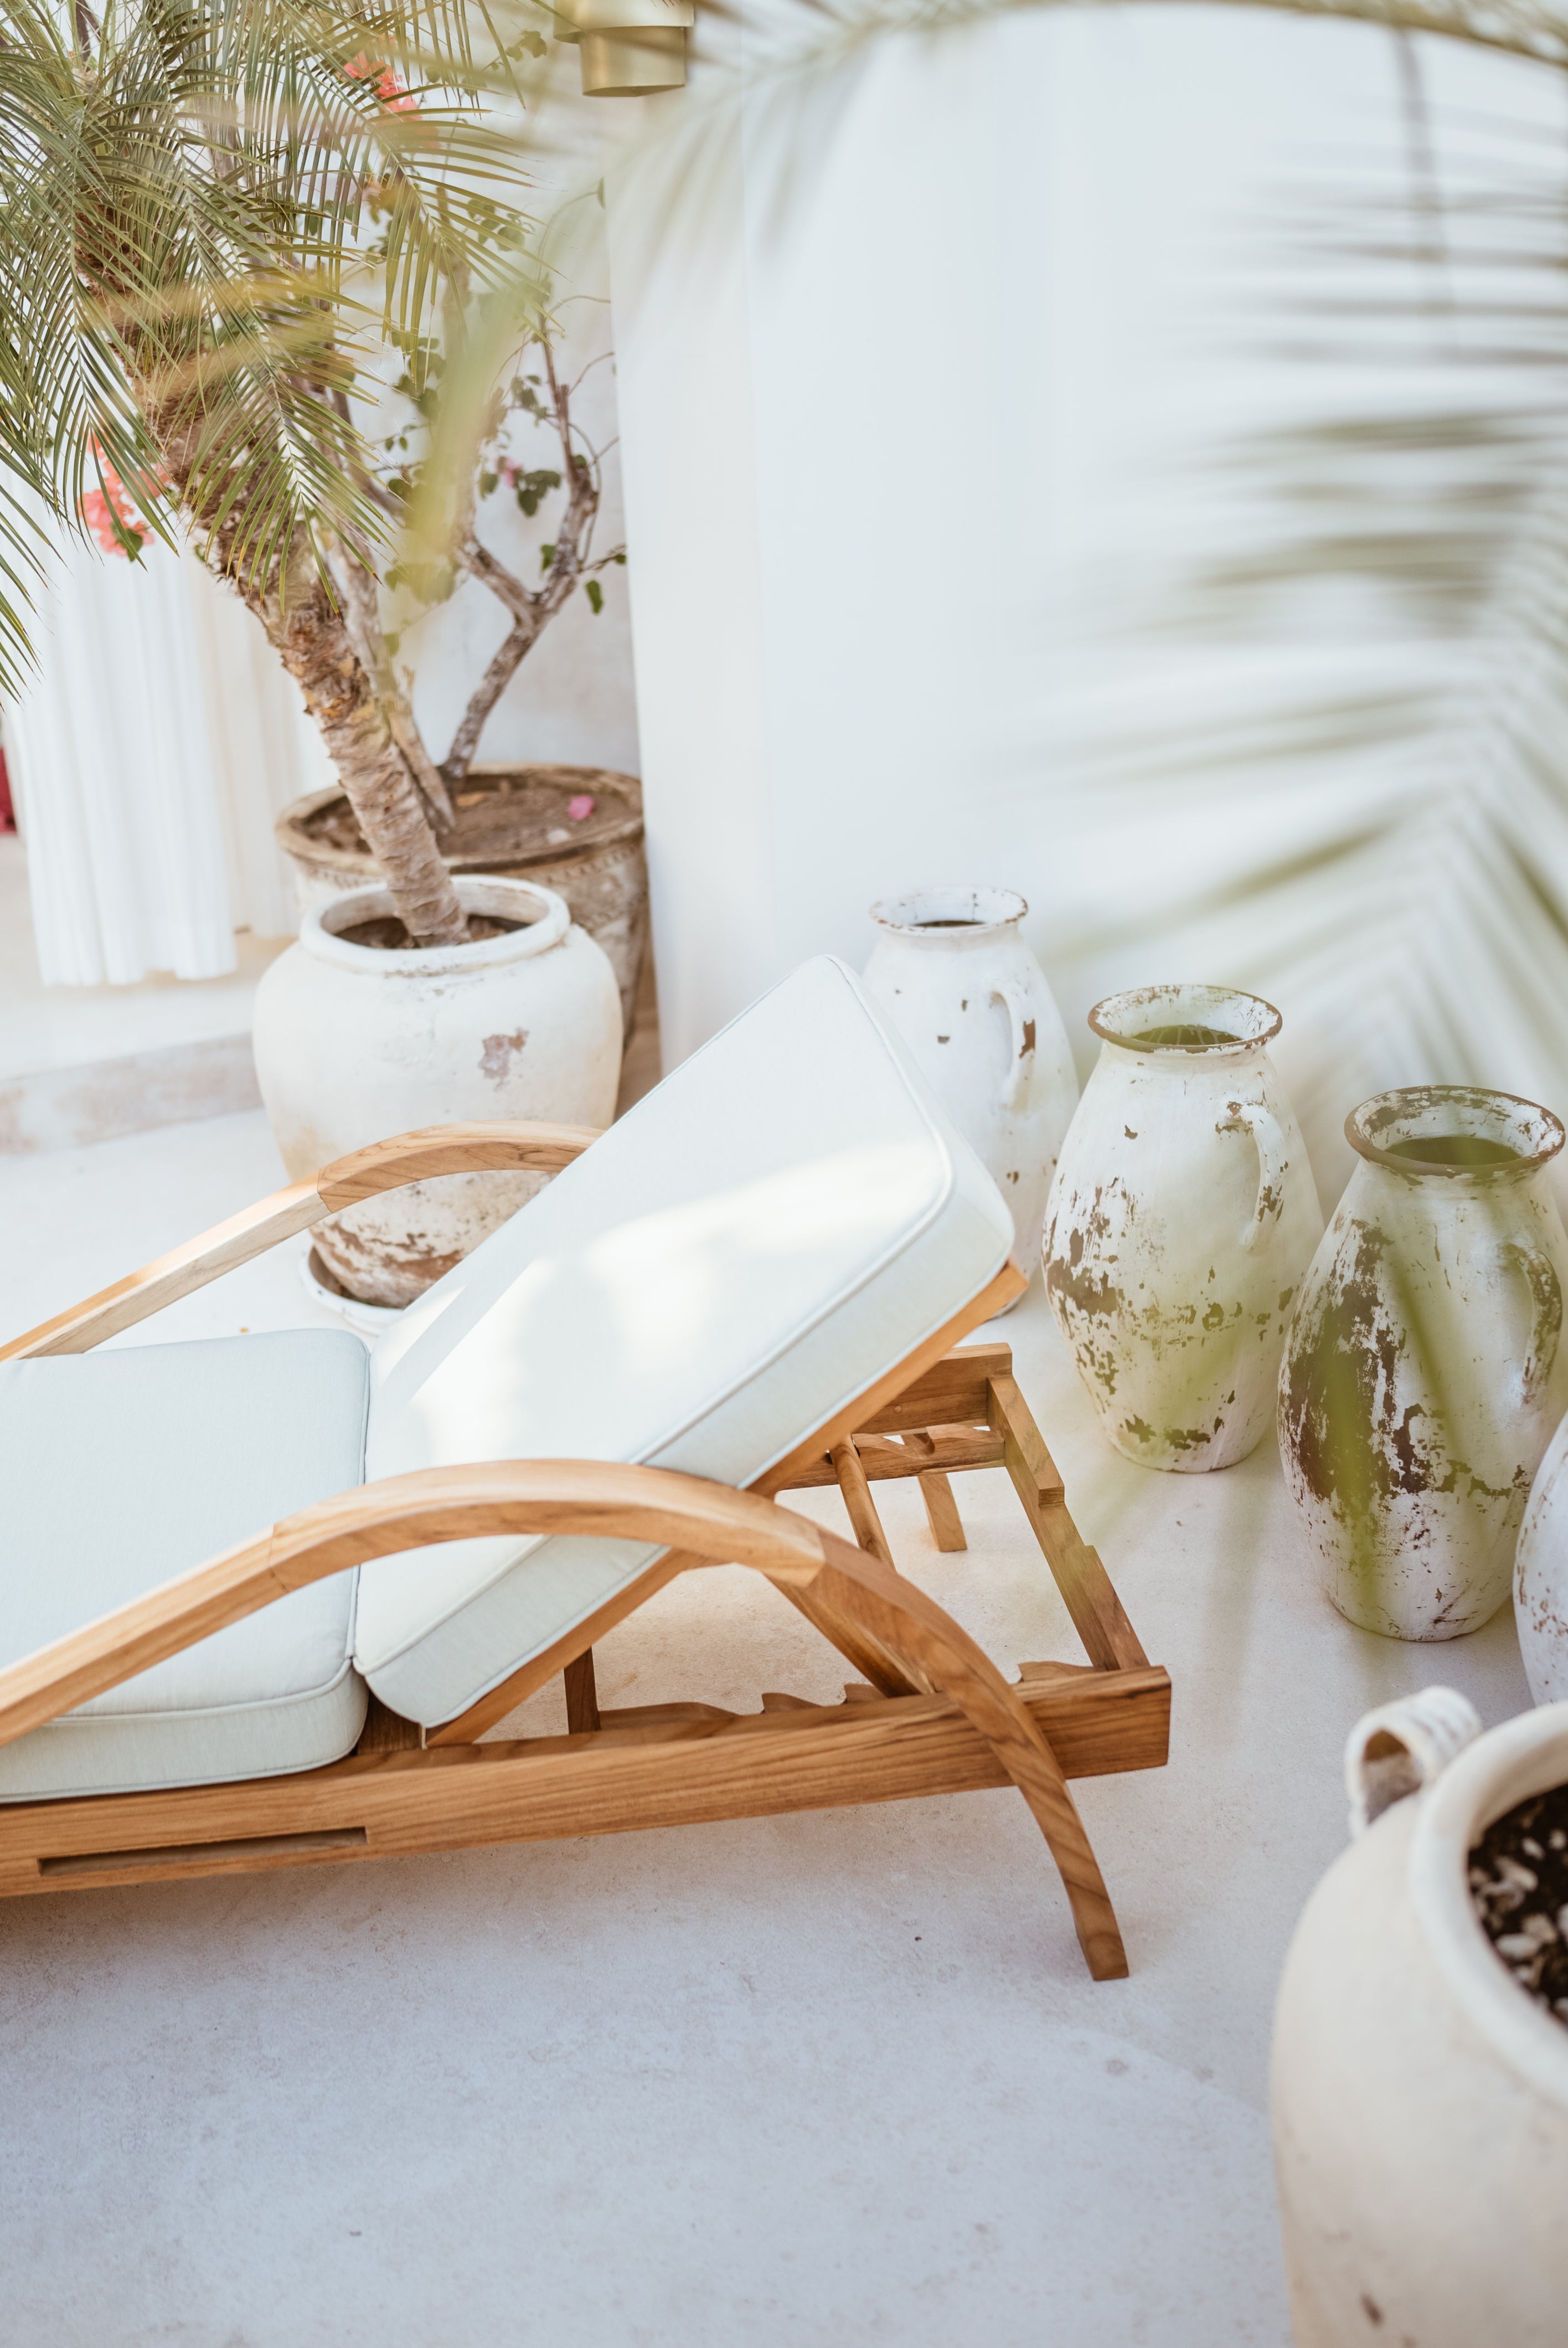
(950, 1393)
(581, 1695)
(858, 1500)
(885, 1457)
(388, 1732)
(681, 1773)
(1098, 1614)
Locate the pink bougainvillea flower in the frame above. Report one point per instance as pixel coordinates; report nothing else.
(100, 507)
(580, 808)
(386, 81)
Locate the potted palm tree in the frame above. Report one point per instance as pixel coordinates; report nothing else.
(577, 830)
(220, 220)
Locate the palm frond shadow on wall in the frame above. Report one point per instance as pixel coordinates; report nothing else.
(1407, 897)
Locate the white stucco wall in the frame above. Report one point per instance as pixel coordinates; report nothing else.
(919, 373)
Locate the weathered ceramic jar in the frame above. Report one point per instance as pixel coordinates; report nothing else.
(972, 1003)
(1421, 1381)
(1540, 1576)
(1183, 1218)
(1420, 2094)
(354, 1044)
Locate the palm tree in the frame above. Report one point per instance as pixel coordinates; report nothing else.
(224, 223)
(218, 222)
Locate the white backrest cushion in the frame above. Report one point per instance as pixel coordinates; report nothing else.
(783, 1219)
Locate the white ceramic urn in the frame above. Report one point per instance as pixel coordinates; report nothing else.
(1540, 1576)
(969, 999)
(354, 1042)
(1183, 1218)
(1420, 2094)
(1422, 1379)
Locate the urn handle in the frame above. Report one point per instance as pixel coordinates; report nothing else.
(1022, 1018)
(1273, 1165)
(1403, 1747)
(1546, 1312)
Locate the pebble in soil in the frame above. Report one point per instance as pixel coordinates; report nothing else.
(1519, 1881)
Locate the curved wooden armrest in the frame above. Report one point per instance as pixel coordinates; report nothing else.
(514, 1147)
(704, 1523)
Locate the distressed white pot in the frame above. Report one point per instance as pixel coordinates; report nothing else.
(1421, 2095)
(969, 999)
(353, 1044)
(1540, 1576)
(1183, 1217)
(1421, 1380)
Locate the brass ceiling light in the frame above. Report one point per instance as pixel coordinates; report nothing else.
(630, 48)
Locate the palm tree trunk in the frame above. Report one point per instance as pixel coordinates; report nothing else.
(313, 638)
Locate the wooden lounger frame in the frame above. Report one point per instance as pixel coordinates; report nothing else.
(931, 1713)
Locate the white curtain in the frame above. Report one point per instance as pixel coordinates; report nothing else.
(151, 748)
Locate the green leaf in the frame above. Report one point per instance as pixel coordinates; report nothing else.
(547, 556)
(595, 593)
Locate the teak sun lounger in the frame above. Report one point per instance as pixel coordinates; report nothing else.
(842, 1252)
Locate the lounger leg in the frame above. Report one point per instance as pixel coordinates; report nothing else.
(581, 1695)
(928, 1641)
(1098, 1614)
(942, 1512)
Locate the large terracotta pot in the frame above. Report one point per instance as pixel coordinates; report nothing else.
(1422, 1380)
(972, 1003)
(1420, 2094)
(354, 1044)
(1183, 1217)
(517, 821)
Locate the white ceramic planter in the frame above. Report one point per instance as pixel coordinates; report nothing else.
(1183, 1217)
(1421, 1382)
(969, 999)
(353, 1044)
(1421, 2095)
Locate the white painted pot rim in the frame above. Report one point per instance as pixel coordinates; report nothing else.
(546, 915)
(1417, 1110)
(1522, 1758)
(950, 915)
(1117, 1019)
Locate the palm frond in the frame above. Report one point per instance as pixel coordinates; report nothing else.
(1420, 930)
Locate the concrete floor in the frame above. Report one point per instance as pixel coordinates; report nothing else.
(788, 2081)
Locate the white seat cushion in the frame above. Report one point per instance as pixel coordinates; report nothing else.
(119, 1470)
(782, 1221)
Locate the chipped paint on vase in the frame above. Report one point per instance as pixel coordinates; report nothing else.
(1422, 1379)
(975, 1008)
(1183, 1218)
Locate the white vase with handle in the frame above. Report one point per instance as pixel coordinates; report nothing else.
(1420, 2090)
(1423, 1379)
(969, 999)
(1183, 1219)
